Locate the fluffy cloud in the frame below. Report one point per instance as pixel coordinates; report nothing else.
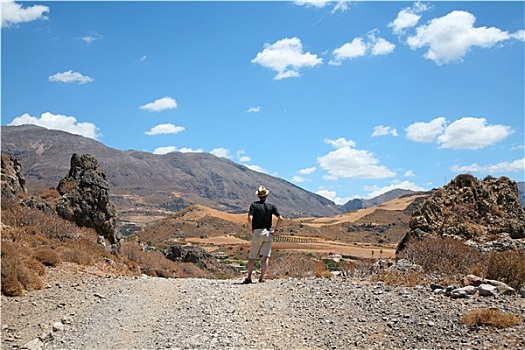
(221, 152)
(59, 122)
(503, 167)
(382, 130)
(70, 77)
(464, 133)
(450, 38)
(341, 5)
(256, 168)
(472, 133)
(426, 132)
(359, 48)
(165, 129)
(13, 13)
(407, 18)
(298, 179)
(404, 185)
(286, 57)
(160, 104)
(356, 48)
(254, 109)
(170, 149)
(332, 195)
(348, 162)
(307, 171)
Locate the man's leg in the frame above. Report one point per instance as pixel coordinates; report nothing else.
(251, 263)
(265, 261)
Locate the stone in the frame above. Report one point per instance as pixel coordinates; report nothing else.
(35, 344)
(13, 181)
(85, 198)
(487, 290)
(463, 292)
(58, 327)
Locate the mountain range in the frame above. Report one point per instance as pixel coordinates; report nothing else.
(142, 181)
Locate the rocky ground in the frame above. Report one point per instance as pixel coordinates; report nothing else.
(85, 311)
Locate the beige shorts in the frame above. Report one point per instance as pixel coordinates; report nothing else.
(261, 243)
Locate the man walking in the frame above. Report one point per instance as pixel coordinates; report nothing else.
(260, 221)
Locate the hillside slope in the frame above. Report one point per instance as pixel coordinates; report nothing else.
(149, 181)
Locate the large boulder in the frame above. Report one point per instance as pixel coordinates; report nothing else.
(12, 179)
(473, 209)
(85, 198)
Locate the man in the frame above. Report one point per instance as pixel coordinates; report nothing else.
(260, 221)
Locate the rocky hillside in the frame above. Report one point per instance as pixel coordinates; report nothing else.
(149, 181)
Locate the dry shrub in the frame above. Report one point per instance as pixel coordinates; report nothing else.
(150, 263)
(442, 255)
(47, 256)
(77, 257)
(508, 267)
(297, 265)
(490, 317)
(19, 270)
(398, 278)
(84, 250)
(50, 225)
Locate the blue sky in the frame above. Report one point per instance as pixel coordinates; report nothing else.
(345, 99)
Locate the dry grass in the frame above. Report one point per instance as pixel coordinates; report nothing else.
(297, 265)
(446, 256)
(19, 270)
(398, 278)
(47, 256)
(490, 317)
(508, 267)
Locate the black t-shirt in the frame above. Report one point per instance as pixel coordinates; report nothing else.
(262, 214)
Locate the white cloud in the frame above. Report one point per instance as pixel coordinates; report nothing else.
(356, 48)
(382, 130)
(254, 109)
(298, 179)
(70, 77)
(407, 18)
(143, 58)
(170, 149)
(221, 152)
(332, 195)
(409, 173)
(405, 185)
(91, 37)
(450, 38)
(382, 47)
(286, 57)
(242, 157)
(359, 48)
(307, 171)
(348, 162)
(472, 133)
(164, 150)
(256, 168)
(341, 5)
(340, 142)
(160, 104)
(503, 167)
(13, 13)
(165, 129)
(519, 35)
(59, 122)
(426, 132)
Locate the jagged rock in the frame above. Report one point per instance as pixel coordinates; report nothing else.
(13, 181)
(468, 207)
(401, 265)
(463, 292)
(482, 212)
(85, 198)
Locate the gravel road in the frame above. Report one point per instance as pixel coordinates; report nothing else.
(90, 312)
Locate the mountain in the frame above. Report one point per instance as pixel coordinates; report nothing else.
(358, 203)
(147, 182)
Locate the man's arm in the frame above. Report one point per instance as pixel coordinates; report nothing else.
(250, 222)
(279, 221)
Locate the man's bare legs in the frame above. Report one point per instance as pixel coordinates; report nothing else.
(251, 263)
(265, 261)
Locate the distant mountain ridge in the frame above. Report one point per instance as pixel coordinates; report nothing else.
(141, 179)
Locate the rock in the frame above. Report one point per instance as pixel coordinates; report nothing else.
(13, 181)
(487, 290)
(463, 292)
(471, 280)
(85, 198)
(522, 292)
(35, 344)
(58, 327)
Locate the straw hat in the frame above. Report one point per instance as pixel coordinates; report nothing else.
(262, 192)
